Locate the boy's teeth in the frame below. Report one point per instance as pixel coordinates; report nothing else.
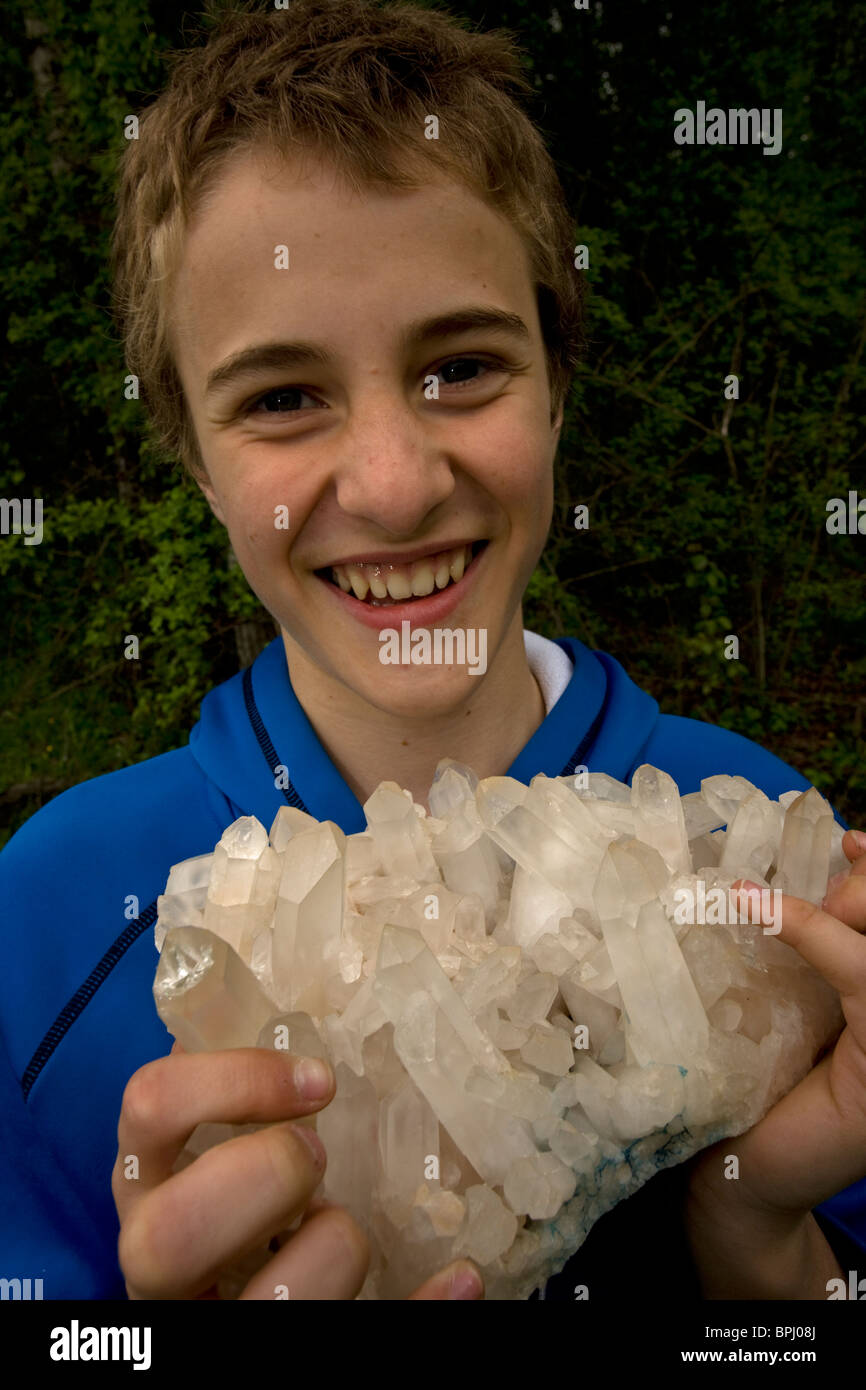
(359, 583)
(423, 581)
(396, 583)
(398, 586)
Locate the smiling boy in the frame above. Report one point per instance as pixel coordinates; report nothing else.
(340, 322)
(306, 388)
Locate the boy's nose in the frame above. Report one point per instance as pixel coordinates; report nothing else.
(391, 467)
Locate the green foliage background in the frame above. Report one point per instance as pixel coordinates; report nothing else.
(704, 521)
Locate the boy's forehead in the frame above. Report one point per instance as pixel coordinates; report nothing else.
(283, 245)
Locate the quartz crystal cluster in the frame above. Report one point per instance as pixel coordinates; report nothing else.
(523, 1023)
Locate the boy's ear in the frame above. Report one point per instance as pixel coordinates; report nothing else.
(211, 498)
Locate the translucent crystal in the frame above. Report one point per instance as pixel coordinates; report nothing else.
(205, 995)
(539, 1186)
(804, 853)
(309, 918)
(294, 1033)
(408, 1143)
(348, 1128)
(288, 822)
(490, 1226)
(660, 819)
(523, 1025)
(398, 835)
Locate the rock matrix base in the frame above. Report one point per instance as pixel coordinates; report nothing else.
(534, 998)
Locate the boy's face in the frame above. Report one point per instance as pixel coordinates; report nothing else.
(336, 427)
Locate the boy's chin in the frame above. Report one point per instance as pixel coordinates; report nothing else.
(421, 693)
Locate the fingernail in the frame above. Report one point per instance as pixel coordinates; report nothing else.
(859, 839)
(313, 1077)
(465, 1283)
(313, 1143)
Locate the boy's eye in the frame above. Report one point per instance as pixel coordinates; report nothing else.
(457, 372)
(463, 370)
(285, 400)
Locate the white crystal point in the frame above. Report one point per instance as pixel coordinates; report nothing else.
(566, 813)
(490, 1226)
(235, 860)
(406, 970)
(468, 860)
(205, 995)
(701, 818)
(666, 1021)
(548, 1049)
(175, 911)
(630, 875)
(531, 842)
(245, 838)
(445, 1209)
(183, 902)
(660, 820)
(539, 1186)
(453, 784)
(190, 876)
(804, 854)
(494, 979)
(752, 839)
(348, 1128)
(723, 794)
(536, 908)
(398, 834)
(602, 787)
(495, 797)
(408, 1141)
(288, 822)
(308, 922)
(294, 1034)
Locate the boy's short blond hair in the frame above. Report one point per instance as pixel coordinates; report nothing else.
(349, 81)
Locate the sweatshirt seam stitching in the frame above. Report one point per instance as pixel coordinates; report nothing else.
(82, 997)
(263, 739)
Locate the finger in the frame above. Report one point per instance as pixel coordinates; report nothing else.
(460, 1280)
(165, 1100)
(834, 949)
(854, 845)
(179, 1237)
(327, 1259)
(846, 897)
(846, 891)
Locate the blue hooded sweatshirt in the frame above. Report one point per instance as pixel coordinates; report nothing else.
(78, 890)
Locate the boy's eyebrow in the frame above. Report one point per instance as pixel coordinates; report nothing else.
(277, 356)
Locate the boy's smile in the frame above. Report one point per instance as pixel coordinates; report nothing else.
(389, 389)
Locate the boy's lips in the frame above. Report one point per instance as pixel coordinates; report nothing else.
(421, 612)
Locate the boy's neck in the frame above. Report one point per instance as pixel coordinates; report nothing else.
(368, 746)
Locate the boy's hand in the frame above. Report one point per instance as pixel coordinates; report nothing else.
(754, 1236)
(179, 1231)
